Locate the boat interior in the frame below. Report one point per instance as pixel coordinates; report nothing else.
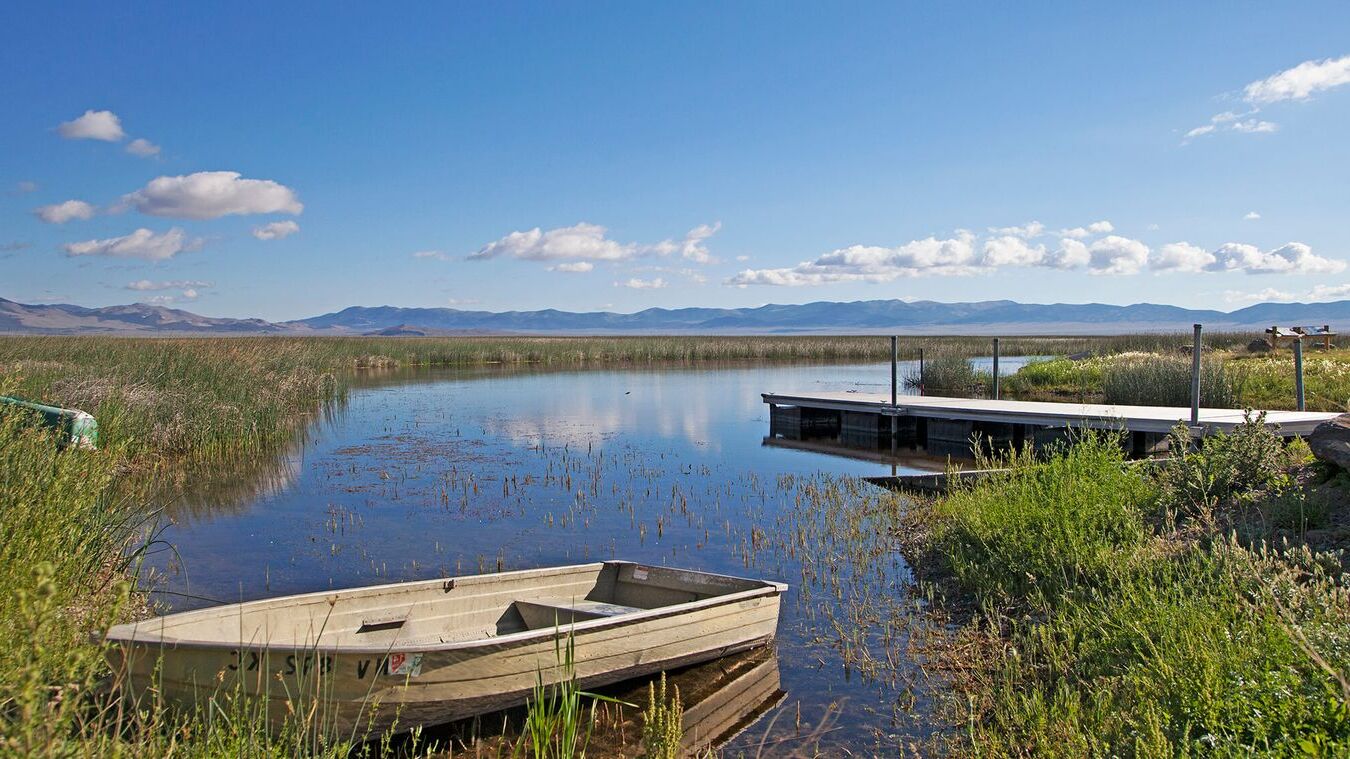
(441, 611)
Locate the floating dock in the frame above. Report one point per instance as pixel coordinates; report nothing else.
(945, 426)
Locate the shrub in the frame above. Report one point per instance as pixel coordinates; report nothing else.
(1225, 467)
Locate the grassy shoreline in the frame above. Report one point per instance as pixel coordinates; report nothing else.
(1103, 610)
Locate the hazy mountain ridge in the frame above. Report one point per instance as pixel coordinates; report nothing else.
(1001, 316)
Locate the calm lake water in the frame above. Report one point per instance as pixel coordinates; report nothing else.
(430, 473)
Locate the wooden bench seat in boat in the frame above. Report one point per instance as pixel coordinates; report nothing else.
(541, 613)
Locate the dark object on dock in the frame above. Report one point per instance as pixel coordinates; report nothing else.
(1330, 442)
(933, 482)
(76, 427)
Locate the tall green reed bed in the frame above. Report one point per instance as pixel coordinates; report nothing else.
(1125, 620)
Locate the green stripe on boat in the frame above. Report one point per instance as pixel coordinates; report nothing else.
(77, 428)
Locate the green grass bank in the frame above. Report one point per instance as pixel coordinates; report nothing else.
(1195, 608)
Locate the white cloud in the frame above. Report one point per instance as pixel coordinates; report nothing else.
(694, 247)
(145, 285)
(1027, 231)
(1319, 294)
(143, 148)
(139, 244)
(1290, 258)
(212, 194)
(60, 213)
(431, 254)
(1264, 296)
(1299, 82)
(863, 263)
(575, 267)
(1251, 216)
(582, 241)
(25, 187)
(588, 242)
(1182, 256)
(276, 230)
(642, 284)
(1254, 126)
(1071, 254)
(1329, 292)
(1095, 228)
(1117, 255)
(1012, 251)
(93, 125)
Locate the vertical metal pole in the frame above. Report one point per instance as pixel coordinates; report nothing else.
(921, 371)
(996, 368)
(1298, 371)
(895, 389)
(1195, 378)
(895, 359)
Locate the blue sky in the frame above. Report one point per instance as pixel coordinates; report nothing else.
(297, 160)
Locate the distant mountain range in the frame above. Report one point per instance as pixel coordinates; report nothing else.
(871, 316)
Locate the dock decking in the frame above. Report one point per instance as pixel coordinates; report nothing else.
(945, 425)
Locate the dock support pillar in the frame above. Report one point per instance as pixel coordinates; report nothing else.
(1195, 378)
(921, 371)
(996, 368)
(1298, 372)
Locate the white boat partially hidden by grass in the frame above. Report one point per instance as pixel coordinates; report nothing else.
(397, 656)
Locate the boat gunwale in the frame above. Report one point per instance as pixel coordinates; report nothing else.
(131, 633)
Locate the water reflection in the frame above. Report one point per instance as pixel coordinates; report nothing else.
(430, 473)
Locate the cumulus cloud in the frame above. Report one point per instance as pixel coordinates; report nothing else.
(1251, 216)
(93, 125)
(589, 242)
(864, 263)
(642, 284)
(1290, 258)
(143, 148)
(60, 213)
(964, 254)
(1182, 256)
(1095, 228)
(146, 285)
(276, 230)
(575, 267)
(1299, 82)
(1011, 250)
(1117, 255)
(139, 244)
(1071, 254)
(212, 194)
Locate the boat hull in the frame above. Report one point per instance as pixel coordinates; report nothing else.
(402, 685)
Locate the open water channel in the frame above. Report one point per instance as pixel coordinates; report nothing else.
(443, 472)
